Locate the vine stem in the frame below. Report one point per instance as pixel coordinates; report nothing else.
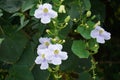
(93, 67)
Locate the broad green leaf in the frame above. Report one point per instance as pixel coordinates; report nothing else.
(28, 56)
(20, 72)
(86, 4)
(40, 74)
(12, 47)
(10, 6)
(75, 63)
(27, 4)
(79, 49)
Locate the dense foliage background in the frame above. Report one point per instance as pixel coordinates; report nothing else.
(20, 31)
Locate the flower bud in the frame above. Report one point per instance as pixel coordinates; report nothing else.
(93, 17)
(88, 14)
(62, 9)
(97, 24)
(67, 19)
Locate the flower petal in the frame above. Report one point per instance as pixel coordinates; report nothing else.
(40, 7)
(38, 60)
(53, 14)
(47, 5)
(106, 35)
(99, 28)
(100, 39)
(56, 61)
(94, 33)
(41, 46)
(45, 19)
(63, 55)
(44, 65)
(45, 39)
(55, 47)
(38, 13)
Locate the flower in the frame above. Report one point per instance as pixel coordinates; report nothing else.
(45, 12)
(100, 34)
(56, 55)
(41, 58)
(45, 42)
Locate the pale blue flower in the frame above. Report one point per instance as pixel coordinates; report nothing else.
(44, 42)
(56, 55)
(100, 34)
(41, 58)
(45, 13)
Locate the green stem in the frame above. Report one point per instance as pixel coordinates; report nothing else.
(2, 30)
(93, 67)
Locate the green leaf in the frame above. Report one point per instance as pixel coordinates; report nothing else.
(1, 13)
(12, 47)
(27, 4)
(87, 4)
(32, 11)
(1, 40)
(78, 65)
(10, 6)
(18, 72)
(85, 76)
(23, 22)
(79, 49)
(40, 74)
(85, 30)
(74, 11)
(93, 46)
(28, 56)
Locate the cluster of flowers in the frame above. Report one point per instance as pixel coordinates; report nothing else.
(49, 53)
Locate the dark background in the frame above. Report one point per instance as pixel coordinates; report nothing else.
(109, 53)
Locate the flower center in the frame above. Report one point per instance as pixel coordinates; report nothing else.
(101, 31)
(47, 43)
(45, 10)
(56, 51)
(43, 55)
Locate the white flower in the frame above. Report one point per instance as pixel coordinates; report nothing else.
(56, 55)
(45, 42)
(100, 34)
(45, 12)
(41, 58)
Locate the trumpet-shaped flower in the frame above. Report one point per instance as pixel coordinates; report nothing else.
(41, 58)
(45, 13)
(56, 55)
(45, 42)
(100, 34)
